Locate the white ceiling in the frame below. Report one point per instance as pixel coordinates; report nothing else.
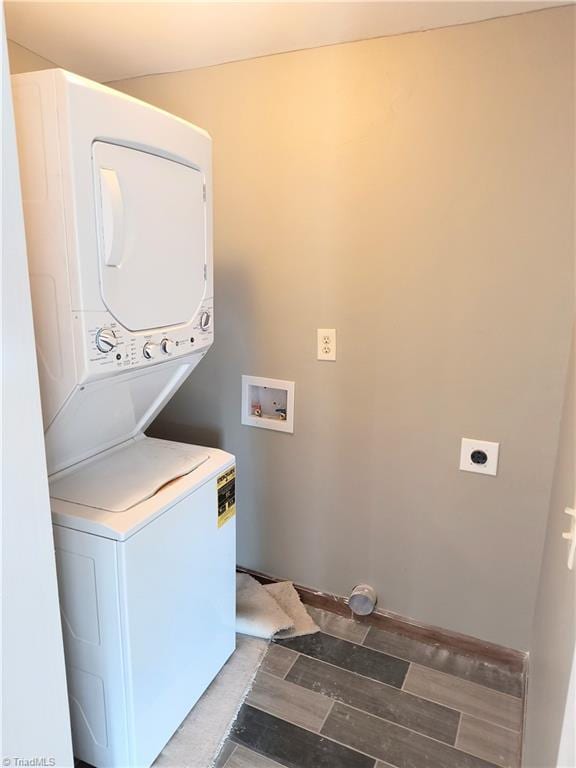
(110, 41)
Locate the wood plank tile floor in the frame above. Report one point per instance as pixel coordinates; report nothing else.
(354, 696)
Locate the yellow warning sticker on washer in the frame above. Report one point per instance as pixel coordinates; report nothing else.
(226, 496)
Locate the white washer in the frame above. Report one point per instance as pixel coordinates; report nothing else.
(118, 211)
(146, 580)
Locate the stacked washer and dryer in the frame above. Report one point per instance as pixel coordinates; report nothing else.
(117, 200)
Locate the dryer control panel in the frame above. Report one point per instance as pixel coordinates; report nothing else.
(110, 349)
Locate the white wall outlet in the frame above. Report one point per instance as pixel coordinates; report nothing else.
(326, 343)
(479, 456)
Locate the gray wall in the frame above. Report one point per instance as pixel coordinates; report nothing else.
(416, 193)
(554, 633)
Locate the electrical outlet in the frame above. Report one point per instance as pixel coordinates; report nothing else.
(479, 456)
(326, 343)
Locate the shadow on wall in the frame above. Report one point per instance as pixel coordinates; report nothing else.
(185, 433)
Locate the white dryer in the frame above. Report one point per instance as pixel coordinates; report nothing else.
(118, 212)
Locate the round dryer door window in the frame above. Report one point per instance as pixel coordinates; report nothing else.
(151, 237)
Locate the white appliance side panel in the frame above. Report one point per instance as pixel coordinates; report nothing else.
(152, 237)
(89, 607)
(178, 604)
(48, 264)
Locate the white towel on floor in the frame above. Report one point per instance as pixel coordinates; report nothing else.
(273, 610)
(289, 601)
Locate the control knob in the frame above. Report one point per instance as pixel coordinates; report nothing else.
(105, 340)
(149, 350)
(205, 320)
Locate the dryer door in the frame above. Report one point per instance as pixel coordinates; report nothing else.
(151, 218)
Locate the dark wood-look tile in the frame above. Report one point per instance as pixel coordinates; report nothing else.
(508, 659)
(278, 660)
(293, 703)
(471, 698)
(376, 698)
(446, 660)
(290, 745)
(490, 742)
(339, 626)
(355, 658)
(392, 743)
(246, 758)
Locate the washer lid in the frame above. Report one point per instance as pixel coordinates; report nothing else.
(120, 478)
(151, 221)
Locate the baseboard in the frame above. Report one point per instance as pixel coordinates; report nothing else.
(510, 658)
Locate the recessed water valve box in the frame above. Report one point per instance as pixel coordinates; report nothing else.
(268, 403)
(479, 456)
